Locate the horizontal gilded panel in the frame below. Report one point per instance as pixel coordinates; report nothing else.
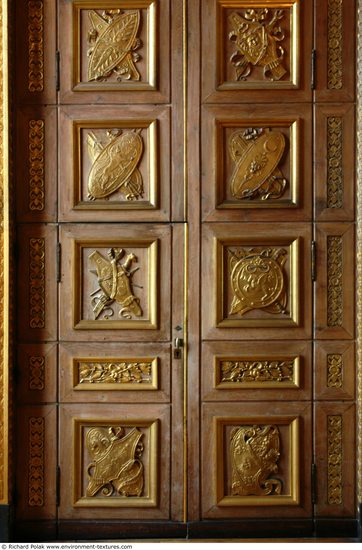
(115, 374)
(256, 372)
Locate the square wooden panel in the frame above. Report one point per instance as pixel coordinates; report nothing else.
(334, 370)
(37, 283)
(335, 459)
(115, 163)
(114, 372)
(334, 162)
(115, 50)
(254, 277)
(35, 166)
(127, 448)
(111, 283)
(336, 47)
(235, 371)
(241, 439)
(36, 444)
(334, 288)
(260, 49)
(256, 163)
(37, 373)
(35, 35)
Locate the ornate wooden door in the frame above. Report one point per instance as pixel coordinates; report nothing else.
(185, 229)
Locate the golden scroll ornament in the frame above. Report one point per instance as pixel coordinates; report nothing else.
(115, 372)
(115, 284)
(116, 468)
(113, 43)
(115, 165)
(257, 371)
(256, 35)
(254, 452)
(257, 280)
(256, 153)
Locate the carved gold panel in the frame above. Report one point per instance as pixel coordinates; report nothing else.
(37, 373)
(119, 167)
(235, 371)
(334, 370)
(257, 278)
(257, 47)
(257, 163)
(93, 372)
(36, 159)
(116, 49)
(116, 461)
(36, 471)
(334, 282)
(335, 440)
(111, 281)
(36, 40)
(256, 459)
(37, 295)
(335, 44)
(334, 162)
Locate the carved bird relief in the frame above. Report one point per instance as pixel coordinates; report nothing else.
(254, 452)
(116, 468)
(115, 165)
(115, 284)
(113, 43)
(256, 35)
(257, 280)
(256, 153)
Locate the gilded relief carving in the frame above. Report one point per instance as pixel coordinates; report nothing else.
(334, 281)
(36, 461)
(36, 164)
(116, 469)
(334, 162)
(257, 280)
(115, 285)
(257, 35)
(256, 153)
(37, 283)
(36, 372)
(36, 45)
(335, 44)
(114, 164)
(113, 43)
(334, 370)
(254, 454)
(335, 451)
(115, 372)
(257, 371)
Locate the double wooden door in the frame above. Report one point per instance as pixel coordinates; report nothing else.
(185, 252)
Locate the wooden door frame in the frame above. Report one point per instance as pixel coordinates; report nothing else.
(7, 427)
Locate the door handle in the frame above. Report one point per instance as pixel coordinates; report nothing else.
(177, 350)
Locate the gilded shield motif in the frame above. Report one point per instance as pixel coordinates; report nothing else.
(258, 281)
(256, 153)
(254, 453)
(116, 468)
(256, 35)
(115, 165)
(113, 43)
(115, 284)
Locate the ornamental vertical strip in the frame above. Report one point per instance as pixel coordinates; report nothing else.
(37, 283)
(36, 461)
(36, 164)
(335, 44)
(36, 45)
(335, 450)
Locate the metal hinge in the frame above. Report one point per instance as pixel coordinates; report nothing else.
(59, 262)
(57, 70)
(313, 69)
(58, 487)
(313, 260)
(314, 483)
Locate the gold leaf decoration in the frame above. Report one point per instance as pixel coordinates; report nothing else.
(335, 44)
(245, 371)
(334, 370)
(36, 461)
(334, 281)
(335, 449)
(36, 164)
(36, 45)
(334, 162)
(114, 372)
